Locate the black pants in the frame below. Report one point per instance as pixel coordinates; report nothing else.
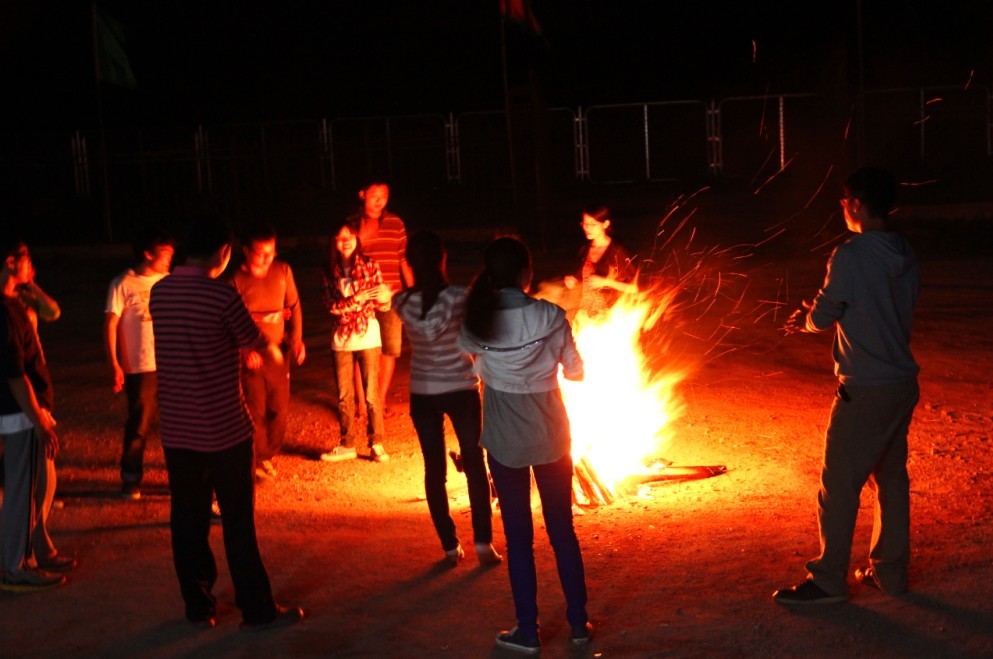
(428, 414)
(142, 407)
(193, 478)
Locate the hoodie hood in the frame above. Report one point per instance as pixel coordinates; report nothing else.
(520, 320)
(890, 250)
(439, 317)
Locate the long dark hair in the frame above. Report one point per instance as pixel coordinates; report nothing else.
(426, 257)
(505, 260)
(336, 264)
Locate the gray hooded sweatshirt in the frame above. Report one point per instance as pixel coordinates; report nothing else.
(869, 293)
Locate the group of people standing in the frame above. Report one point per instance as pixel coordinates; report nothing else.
(487, 356)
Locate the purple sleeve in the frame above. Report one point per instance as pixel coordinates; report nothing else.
(246, 333)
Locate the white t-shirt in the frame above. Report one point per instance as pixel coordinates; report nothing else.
(127, 299)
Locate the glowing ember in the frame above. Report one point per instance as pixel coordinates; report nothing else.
(620, 413)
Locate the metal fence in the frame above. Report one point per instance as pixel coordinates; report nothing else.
(149, 173)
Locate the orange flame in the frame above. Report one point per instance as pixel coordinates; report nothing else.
(620, 413)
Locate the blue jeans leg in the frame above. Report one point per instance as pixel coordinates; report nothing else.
(344, 367)
(513, 487)
(369, 369)
(554, 483)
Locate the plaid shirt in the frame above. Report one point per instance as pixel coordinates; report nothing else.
(351, 318)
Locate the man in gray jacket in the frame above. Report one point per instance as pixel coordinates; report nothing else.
(868, 296)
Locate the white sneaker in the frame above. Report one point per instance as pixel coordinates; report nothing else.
(454, 556)
(340, 454)
(487, 554)
(378, 453)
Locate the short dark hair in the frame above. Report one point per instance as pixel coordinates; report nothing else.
(258, 232)
(875, 188)
(207, 235)
(374, 179)
(150, 238)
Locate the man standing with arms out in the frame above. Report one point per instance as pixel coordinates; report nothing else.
(868, 296)
(130, 347)
(383, 237)
(30, 561)
(267, 288)
(201, 327)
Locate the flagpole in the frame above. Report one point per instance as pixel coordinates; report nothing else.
(107, 223)
(507, 111)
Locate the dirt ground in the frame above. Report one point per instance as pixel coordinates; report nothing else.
(679, 569)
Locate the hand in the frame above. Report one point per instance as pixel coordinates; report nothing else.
(384, 295)
(598, 282)
(570, 282)
(253, 360)
(118, 379)
(299, 353)
(46, 435)
(797, 322)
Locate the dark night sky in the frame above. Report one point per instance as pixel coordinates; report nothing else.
(231, 60)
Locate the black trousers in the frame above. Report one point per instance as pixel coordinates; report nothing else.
(193, 478)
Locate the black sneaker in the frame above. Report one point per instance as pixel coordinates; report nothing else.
(806, 593)
(582, 635)
(284, 617)
(515, 640)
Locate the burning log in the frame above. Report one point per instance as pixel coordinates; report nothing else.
(671, 473)
(590, 484)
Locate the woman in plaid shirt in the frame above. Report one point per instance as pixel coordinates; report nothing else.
(353, 291)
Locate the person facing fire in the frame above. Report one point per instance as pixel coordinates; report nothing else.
(267, 287)
(30, 560)
(604, 268)
(201, 328)
(442, 383)
(383, 236)
(130, 346)
(353, 291)
(518, 344)
(868, 297)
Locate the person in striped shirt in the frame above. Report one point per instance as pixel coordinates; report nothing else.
(442, 382)
(384, 239)
(202, 331)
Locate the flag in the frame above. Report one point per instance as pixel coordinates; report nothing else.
(112, 66)
(519, 11)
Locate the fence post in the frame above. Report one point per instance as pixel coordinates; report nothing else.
(923, 120)
(202, 159)
(265, 159)
(782, 133)
(327, 152)
(453, 160)
(80, 165)
(581, 148)
(715, 150)
(644, 130)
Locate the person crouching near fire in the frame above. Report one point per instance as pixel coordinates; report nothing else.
(353, 291)
(868, 296)
(442, 382)
(518, 343)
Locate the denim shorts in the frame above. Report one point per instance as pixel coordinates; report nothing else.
(391, 331)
